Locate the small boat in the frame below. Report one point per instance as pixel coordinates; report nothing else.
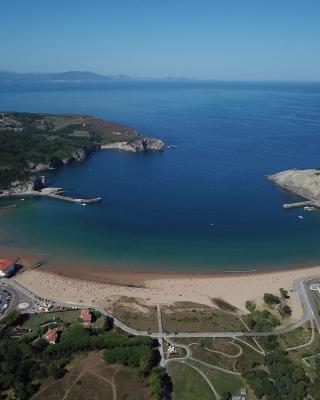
(309, 208)
(22, 199)
(300, 216)
(83, 204)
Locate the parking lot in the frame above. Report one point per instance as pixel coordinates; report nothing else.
(5, 300)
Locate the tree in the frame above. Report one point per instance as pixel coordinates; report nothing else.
(226, 396)
(250, 306)
(271, 299)
(284, 294)
(285, 311)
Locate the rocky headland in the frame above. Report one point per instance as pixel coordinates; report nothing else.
(31, 143)
(303, 182)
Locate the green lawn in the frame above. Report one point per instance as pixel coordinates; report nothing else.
(222, 381)
(297, 337)
(188, 384)
(36, 320)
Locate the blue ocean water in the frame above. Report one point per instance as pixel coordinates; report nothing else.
(206, 205)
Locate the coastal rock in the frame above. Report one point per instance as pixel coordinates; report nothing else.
(142, 144)
(305, 183)
(18, 187)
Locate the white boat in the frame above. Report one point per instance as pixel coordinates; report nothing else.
(300, 216)
(309, 208)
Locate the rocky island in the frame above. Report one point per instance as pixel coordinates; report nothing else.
(304, 183)
(34, 142)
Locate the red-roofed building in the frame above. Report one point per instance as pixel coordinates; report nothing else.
(51, 335)
(6, 267)
(86, 317)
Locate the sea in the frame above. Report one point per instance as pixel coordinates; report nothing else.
(204, 204)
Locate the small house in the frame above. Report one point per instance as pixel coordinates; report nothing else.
(51, 335)
(86, 317)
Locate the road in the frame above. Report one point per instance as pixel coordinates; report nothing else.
(300, 286)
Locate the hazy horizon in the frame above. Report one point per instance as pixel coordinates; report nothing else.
(247, 41)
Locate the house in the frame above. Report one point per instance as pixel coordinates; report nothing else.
(7, 267)
(51, 335)
(86, 317)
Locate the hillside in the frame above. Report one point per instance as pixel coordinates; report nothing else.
(31, 142)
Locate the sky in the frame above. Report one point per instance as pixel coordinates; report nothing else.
(202, 39)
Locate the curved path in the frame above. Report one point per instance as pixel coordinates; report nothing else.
(204, 376)
(225, 354)
(310, 341)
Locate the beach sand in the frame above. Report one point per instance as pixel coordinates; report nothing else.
(167, 288)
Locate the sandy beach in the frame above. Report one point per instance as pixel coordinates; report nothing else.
(165, 288)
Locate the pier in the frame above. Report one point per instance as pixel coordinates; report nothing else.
(300, 204)
(53, 193)
(73, 200)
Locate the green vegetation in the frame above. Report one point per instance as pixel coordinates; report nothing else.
(225, 384)
(271, 299)
(11, 318)
(278, 377)
(191, 317)
(262, 321)
(29, 139)
(297, 337)
(284, 294)
(27, 362)
(187, 384)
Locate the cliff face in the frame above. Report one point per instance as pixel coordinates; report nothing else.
(305, 183)
(142, 144)
(31, 142)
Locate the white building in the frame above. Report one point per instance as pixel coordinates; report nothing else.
(315, 287)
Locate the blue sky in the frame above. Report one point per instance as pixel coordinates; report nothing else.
(236, 39)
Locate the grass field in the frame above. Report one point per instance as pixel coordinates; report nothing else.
(222, 381)
(297, 337)
(190, 317)
(36, 320)
(89, 377)
(188, 384)
(135, 314)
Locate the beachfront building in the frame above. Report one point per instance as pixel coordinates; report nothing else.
(315, 287)
(86, 317)
(51, 335)
(7, 267)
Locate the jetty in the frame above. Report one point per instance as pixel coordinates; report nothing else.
(53, 193)
(308, 203)
(74, 200)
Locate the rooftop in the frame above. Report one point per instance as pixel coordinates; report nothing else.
(4, 264)
(85, 315)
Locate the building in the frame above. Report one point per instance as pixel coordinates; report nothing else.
(315, 287)
(171, 349)
(51, 335)
(7, 267)
(86, 317)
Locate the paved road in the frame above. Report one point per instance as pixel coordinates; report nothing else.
(301, 287)
(313, 306)
(160, 340)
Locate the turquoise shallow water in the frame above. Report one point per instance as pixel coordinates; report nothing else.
(157, 209)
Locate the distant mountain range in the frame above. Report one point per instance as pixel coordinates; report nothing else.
(67, 77)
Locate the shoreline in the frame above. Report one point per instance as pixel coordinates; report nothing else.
(152, 288)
